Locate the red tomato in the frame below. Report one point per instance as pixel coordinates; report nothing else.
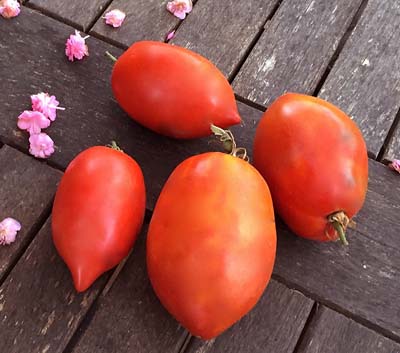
(314, 159)
(211, 242)
(172, 90)
(98, 212)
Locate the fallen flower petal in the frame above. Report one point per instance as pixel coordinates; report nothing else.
(170, 35)
(9, 8)
(76, 47)
(41, 145)
(180, 8)
(33, 122)
(46, 104)
(395, 165)
(115, 18)
(8, 230)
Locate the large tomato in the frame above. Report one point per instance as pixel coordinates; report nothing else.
(98, 212)
(211, 242)
(314, 159)
(173, 90)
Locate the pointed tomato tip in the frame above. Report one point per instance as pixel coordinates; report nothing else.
(83, 279)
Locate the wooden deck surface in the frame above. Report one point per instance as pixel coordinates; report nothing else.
(323, 298)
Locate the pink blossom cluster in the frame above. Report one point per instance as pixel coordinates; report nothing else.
(44, 111)
(8, 230)
(9, 8)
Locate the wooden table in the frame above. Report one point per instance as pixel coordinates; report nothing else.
(323, 297)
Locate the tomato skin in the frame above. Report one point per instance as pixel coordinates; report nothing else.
(98, 212)
(211, 242)
(315, 161)
(172, 90)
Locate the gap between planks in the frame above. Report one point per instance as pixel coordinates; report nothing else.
(395, 125)
(306, 326)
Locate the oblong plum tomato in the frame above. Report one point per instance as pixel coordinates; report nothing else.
(172, 90)
(314, 159)
(211, 242)
(98, 212)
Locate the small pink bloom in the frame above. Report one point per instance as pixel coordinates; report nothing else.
(395, 165)
(8, 230)
(46, 104)
(32, 122)
(41, 145)
(170, 35)
(115, 18)
(9, 8)
(76, 47)
(180, 8)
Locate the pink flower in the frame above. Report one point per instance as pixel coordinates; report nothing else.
(170, 35)
(115, 18)
(395, 165)
(8, 230)
(76, 47)
(180, 7)
(9, 8)
(46, 104)
(41, 145)
(32, 122)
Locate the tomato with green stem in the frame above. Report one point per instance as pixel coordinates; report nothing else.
(314, 159)
(211, 242)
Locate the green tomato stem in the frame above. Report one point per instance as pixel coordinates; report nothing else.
(112, 57)
(339, 229)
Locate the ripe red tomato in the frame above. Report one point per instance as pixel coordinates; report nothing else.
(172, 90)
(314, 159)
(211, 242)
(98, 212)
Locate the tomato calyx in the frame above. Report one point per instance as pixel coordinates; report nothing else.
(340, 222)
(112, 57)
(229, 143)
(113, 145)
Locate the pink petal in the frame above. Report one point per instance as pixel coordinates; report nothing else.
(8, 230)
(41, 145)
(46, 104)
(32, 122)
(9, 8)
(180, 8)
(115, 18)
(170, 35)
(395, 165)
(75, 47)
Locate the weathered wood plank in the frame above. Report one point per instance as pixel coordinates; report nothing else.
(92, 116)
(223, 30)
(274, 325)
(26, 191)
(393, 151)
(331, 332)
(365, 81)
(40, 309)
(362, 279)
(145, 20)
(130, 318)
(79, 13)
(295, 49)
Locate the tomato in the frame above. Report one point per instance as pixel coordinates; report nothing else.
(98, 212)
(211, 242)
(314, 159)
(172, 90)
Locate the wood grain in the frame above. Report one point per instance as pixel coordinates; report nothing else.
(145, 20)
(362, 279)
(40, 309)
(26, 191)
(365, 80)
(224, 34)
(295, 49)
(331, 332)
(79, 13)
(274, 325)
(130, 318)
(92, 116)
